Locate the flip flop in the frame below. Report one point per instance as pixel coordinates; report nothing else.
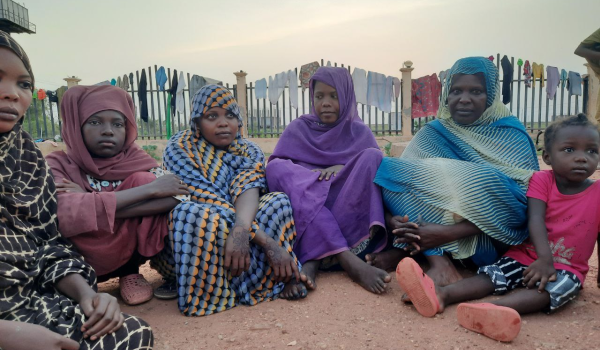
(496, 322)
(135, 289)
(166, 291)
(418, 286)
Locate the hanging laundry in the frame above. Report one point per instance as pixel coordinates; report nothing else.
(179, 101)
(425, 96)
(125, 82)
(507, 77)
(538, 73)
(375, 88)
(119, 82)
(553, 80)
(161, 78)
(143, 96)
(272, 92)
(520, 62)
(574, 83)
(306, 72)
(173, 92)
(397, 87)
(59, 94)
(35, 94)
(260, 88)
(563, 77)
(41, 94)
(328, 63)
(491, 58)
(52, 97)
(527, 74)
(385, 100)
(359, 78)
(195, 84)
(293, 84)
(113, 82)
(276, 87)
(443, 75)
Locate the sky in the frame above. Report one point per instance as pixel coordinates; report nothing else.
(100, 40)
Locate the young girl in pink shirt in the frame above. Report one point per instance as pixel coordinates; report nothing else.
(564, 221)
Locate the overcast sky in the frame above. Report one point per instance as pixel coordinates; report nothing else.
(100, 40)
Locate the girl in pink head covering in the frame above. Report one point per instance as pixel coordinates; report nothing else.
(112, 199)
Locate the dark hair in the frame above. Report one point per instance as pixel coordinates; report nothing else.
(573, 120)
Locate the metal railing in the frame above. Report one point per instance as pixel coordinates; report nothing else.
(13, 17)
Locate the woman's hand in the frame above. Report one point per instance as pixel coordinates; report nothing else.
(26, 336)
(421, 235)
(541, 270)
(283, 264)
(327, 173)
(167, 185)
(237, 250)
(67, 186)
(103, 315)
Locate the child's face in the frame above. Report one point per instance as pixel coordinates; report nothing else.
(218, 126)
(574, 153)
(15, 90)
(104, 134)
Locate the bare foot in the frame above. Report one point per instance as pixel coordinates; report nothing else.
(442, 271)
(387, 260)
(309, 273)
(294, 290)
(369, 277)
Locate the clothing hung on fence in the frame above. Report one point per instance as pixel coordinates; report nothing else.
(161, 78)
(179, 100)
(507, 77)
(359, 78)
(276, 86)
(195, 84)
(173, 92)
(520, 62)
(125, 82)
(574, 83)
(553, 81)
(113, 82)
(527, 74)
(293, 84)
(41, 94)
(143, 96)
(260, 88)
(443, 75)
(379, 91)
(119, 82)
(52, 97)
(425, 96)
(563, 77)
(538, 73)
(397, 87)
(306, 72)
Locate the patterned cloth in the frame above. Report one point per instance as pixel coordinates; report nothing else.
(198, 229)
(7, 41)
(306, 72)
(425, 96)
(507, 274)
(479, 172)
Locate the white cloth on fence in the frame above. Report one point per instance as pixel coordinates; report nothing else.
(196, 82)
(293, 84)
(276, 86)
(179, 102)
(397, 87)
(125, 82)
(379, 91)
(119, 82)
(359, 78)
(260, 88)
(386, 100)
(328, 63)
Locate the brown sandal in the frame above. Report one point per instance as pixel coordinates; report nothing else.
(135, 289)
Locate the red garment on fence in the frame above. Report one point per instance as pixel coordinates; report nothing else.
(41, 94)
(426, 93)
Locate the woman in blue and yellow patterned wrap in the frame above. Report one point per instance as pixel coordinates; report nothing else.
(230, 246)
(459, 187)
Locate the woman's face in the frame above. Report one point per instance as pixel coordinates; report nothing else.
(218, 126)
(467, 98)
(104, 134)
(15, 89)
(326, 103)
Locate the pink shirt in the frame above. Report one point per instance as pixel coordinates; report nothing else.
(572, 221)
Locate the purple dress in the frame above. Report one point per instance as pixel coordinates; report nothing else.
(336, 215)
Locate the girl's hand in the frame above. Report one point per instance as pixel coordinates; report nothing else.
(283, 264)
(237, 251)
(541, 270)
(67, 186)
(26, 336)
(103, 315)
(167, 185)
(327, 173)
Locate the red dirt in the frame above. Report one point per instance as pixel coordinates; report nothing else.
(342, 315)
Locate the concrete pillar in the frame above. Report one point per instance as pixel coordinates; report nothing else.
(72, 81)
(593, 87)
(407, 100)
(241, 99)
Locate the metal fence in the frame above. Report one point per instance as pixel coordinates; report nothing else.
(269, 120)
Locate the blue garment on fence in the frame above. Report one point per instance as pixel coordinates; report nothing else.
(260, 88)
(478, 172)
(574, 83)
(563, 77)
(161, 78)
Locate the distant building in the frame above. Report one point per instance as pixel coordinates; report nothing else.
(14, 18)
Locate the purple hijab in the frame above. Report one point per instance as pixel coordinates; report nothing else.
(338, 213)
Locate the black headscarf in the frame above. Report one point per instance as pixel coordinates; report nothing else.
(7, 41)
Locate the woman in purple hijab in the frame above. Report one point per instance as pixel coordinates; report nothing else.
(326, 162)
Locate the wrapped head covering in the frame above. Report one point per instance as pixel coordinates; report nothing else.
(7, 41)
(210, 96)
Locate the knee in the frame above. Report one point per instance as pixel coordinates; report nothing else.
(279, 198)
(370, 158)
(139, 332)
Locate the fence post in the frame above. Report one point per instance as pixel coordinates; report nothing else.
(593, 93)
(241, 99)
(407, 100)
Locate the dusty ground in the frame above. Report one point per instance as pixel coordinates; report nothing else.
(341, 315)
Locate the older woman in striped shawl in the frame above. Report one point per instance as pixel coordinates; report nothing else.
(459, 188)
